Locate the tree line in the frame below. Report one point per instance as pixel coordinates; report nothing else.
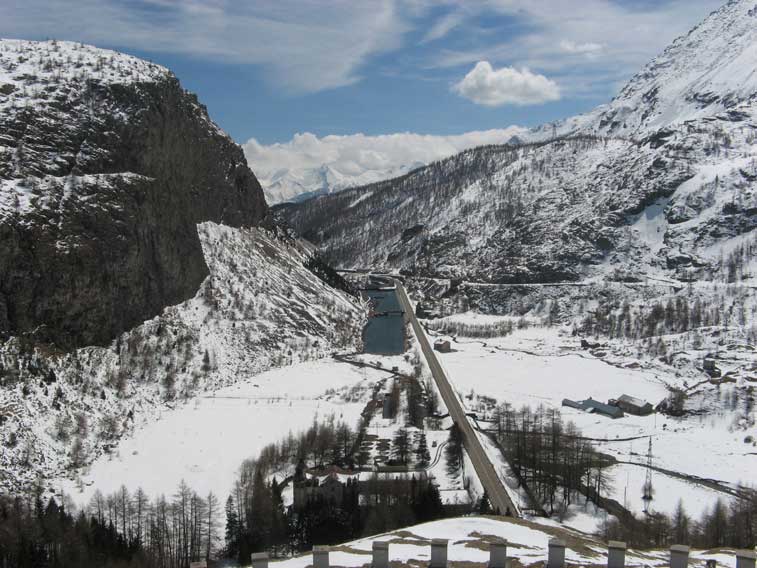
(120, 530)
(733, 525)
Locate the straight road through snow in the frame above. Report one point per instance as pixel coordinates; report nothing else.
(498, 496)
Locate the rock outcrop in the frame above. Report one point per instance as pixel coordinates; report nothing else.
(106, 167)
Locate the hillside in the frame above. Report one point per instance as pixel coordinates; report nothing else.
(106, 166)
(259, 308)
(666, 190)
(137, 265)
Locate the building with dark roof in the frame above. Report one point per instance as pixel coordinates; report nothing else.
(594, 406)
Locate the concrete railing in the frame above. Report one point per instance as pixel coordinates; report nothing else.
(616, 555)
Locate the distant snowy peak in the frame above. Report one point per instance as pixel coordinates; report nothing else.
(309, 165)
(296, 185)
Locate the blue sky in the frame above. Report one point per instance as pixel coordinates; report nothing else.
(270, 69)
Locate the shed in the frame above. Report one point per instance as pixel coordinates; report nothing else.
(591, 405)
(634, 405)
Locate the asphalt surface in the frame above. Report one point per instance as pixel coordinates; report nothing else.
(497, 493)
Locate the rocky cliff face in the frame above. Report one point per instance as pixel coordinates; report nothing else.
(106, 167)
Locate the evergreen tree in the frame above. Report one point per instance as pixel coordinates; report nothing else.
(422, 455)
(454, 450)
(484, 506)
(232, 529)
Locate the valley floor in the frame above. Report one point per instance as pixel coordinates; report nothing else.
(698, 459)
(542, 366)
(205, 441)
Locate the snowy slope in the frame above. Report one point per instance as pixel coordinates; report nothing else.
(260, 308)
(710, 70)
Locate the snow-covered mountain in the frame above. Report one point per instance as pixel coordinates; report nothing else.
(308, 165)
(661, 180)
(137, 264)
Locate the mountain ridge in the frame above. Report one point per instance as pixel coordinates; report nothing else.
(567, 208)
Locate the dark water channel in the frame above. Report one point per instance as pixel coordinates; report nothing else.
(384, 334)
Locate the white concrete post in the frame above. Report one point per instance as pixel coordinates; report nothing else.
(679, 556)
(498, 554)
(438, 553)
(745, 558)
(616, 554)
(320, 557)
(380, 554)
(556, 556)
(260, 560)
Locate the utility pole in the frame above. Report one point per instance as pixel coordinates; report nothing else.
(648, 490)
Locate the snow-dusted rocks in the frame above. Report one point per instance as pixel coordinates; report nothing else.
(106, 167)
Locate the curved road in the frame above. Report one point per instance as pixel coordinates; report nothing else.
(498, 496)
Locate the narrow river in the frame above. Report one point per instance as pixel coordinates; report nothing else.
(384, 334)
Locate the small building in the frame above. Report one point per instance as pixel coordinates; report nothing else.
(442, 346)
(634, 405)
(594, 406)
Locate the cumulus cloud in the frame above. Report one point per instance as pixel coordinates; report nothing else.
(308, 163)
(487, 86)
(589, 46)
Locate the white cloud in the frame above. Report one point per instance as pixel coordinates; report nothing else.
(308, 163)
(588, 48)
(487, 86)
(443, 26)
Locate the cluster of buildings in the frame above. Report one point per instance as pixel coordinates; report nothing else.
(614, 408)
(337, 486)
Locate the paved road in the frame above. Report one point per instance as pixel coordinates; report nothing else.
(498, 496)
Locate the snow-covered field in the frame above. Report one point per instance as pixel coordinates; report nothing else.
(540, 366)
(205, 441)
(469, 539)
